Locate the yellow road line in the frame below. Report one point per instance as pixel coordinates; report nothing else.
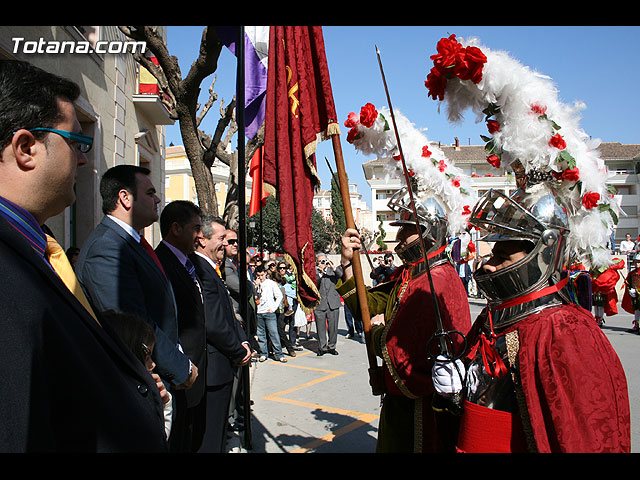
(362, 419)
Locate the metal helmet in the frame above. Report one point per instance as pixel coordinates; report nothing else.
(536, 216)
(431, 218)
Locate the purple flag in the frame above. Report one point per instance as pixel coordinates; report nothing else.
(256, 49)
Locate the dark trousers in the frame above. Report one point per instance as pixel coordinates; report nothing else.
(187, 427)
(217, 418)
(327, 328)
(353, 322)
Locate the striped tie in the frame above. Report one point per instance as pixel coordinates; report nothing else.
(60, 263)
(191, 269)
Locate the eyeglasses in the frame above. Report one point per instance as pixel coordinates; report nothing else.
(82, 143)
(232, 241)
(282, 268)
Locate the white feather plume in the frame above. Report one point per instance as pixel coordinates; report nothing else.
(436, 175)
(529, 112)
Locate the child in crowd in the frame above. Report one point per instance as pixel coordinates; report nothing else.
(139, 336)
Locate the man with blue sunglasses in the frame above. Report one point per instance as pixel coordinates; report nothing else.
(69, 384)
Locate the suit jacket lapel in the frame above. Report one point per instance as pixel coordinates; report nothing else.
(25, 252)
(174, 264)
(135, 246)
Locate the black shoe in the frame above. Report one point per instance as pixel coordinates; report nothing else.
(321, 352)
(332, 351)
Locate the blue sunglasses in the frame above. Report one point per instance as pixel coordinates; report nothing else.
(82, 143)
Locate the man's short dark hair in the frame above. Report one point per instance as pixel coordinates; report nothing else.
(180, 211)
(114, 180)
(29, 98)
(207, 229)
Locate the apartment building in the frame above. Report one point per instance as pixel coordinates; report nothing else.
(362, 216)
(622, 160)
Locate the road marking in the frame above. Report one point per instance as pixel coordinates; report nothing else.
(361, 419)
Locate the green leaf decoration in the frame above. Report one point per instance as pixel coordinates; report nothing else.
(386, 124)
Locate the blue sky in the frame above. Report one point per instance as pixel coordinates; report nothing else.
(594, 64)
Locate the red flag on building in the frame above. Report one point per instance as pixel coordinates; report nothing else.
(299, 113)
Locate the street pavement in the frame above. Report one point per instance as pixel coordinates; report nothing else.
(324, 404)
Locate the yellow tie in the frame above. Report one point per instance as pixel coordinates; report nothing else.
(60, 263)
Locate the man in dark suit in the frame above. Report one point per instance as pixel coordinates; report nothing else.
(327, 312)
(227, 345)
(68, 383)
(119, 271)
(180, 227)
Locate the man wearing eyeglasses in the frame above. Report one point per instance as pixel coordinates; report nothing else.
(69, 384)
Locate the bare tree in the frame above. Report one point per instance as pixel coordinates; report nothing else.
(180, 95)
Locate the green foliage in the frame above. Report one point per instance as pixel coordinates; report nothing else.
(272, 237)
(380, 239)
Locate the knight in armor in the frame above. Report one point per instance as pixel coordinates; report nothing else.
(539, 374)
(631, 296)
(402, 309)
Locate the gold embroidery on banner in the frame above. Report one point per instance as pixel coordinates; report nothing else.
(292, 93)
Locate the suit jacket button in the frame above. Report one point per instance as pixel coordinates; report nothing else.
(142, 389)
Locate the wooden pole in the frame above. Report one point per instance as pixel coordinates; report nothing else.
(375, 371)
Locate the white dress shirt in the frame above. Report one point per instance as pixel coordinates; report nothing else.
(270, 296)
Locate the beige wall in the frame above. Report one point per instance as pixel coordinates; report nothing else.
(106, 110)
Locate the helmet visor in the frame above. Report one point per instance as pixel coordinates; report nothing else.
(504, 219)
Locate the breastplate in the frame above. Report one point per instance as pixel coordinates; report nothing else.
(483, 389)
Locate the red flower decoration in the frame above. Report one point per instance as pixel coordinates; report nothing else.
(368, 115)
(450, 52)
(442, 166)
(352, 135)
(456, 182)
(558, 142)
(425, 152)
(538, 109)
(436, 83)
(397, 158)
(471, 67)
(572, 175)
(494, 160)
(466, 211)
(493, 126)
(352, 120)
(590, 200)
(411, 172)
(451, 60)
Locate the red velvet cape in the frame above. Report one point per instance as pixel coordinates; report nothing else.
(573, 382)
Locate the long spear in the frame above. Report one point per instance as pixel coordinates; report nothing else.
(376, 379)
(440, 334)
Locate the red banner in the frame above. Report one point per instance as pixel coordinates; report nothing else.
(299, 113)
